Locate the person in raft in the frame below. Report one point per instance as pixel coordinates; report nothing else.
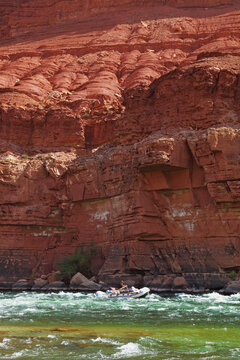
(123, 287)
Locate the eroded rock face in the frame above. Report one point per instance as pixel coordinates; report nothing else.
(22, 16)
(123, 131)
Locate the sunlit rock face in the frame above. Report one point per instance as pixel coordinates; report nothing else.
(119, 125)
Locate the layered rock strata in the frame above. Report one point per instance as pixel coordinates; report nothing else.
(124, 131)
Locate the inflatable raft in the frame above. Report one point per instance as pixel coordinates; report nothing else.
(129, 293)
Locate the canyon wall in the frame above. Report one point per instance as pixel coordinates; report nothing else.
(23, 16)
(121, 130)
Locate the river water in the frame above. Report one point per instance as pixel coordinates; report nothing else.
(80, 326)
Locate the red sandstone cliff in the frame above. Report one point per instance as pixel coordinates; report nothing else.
(120, 124)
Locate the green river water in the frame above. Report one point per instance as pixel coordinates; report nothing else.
(66, 326)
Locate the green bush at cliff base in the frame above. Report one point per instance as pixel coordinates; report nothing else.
(232, 275)
(79, 261)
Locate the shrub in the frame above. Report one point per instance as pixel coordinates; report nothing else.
(79, 261)
(232, 275)
(40, 157)
(25, 156)
(86, 115)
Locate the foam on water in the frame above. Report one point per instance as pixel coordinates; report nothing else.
(4, 343)
(65, 342)
(131, 350)
(16, 355)
(82, 326)
(105, 341)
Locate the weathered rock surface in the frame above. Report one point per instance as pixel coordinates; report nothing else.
(23, 16)
(232, 288)
(122, 130)
(39, 283)
(54, 286)
(21, 285)
(79, 281)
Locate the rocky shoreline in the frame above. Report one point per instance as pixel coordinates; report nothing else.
(79, 283)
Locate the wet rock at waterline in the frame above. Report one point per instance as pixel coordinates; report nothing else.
(55, 286)
(232, 288)
(39, 283)
(22, 285)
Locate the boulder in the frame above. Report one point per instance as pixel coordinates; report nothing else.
(39, 283)
(22, 284)
(79, 281)
(232, 288)
(55, 285)
(53, 276)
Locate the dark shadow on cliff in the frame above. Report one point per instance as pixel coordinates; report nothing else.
(122, 15)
